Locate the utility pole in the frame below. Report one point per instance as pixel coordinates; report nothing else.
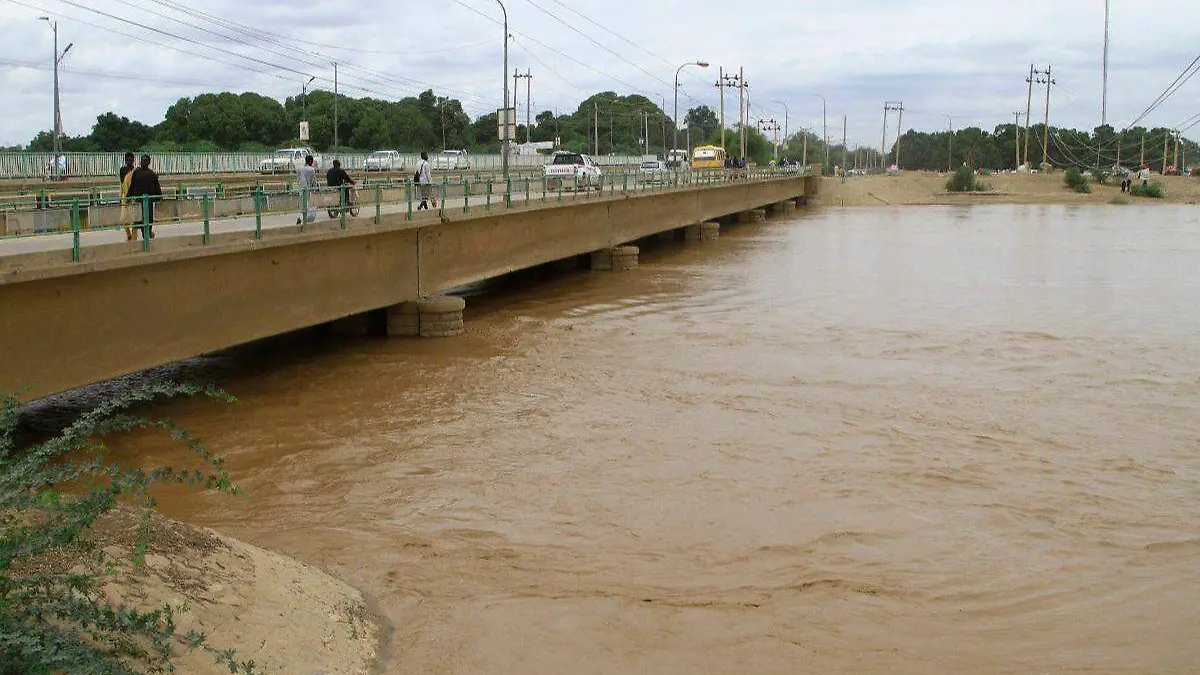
(845, 124)
(950, 162)
(1166, 150)
(1028, 111)
(771, 125)
(804, 155)
(645, 133)
(1046, 132)
(1142, 161)
(1176, 160)
(892, 106)
(56, 127)
(527, 77)
(335, 107)
(1017, 136)
(741, 85)
(596, 128)
(721, 89)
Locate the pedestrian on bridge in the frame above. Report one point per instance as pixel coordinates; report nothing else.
(127, 207)
(425, 183)
(306, 178)
(145, 189)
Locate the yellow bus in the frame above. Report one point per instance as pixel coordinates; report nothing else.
(708, 157)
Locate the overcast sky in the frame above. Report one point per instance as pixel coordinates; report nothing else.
(964, 58)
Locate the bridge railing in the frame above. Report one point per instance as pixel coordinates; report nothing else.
(80, 223)
(42, 166)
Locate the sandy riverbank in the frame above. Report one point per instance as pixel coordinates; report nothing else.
(925, 188)
(285, 616)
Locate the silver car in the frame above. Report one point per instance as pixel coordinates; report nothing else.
(383, 160)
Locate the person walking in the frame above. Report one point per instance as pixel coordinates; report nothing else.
(144, 190)
(1144, 175)
(306, 179)
(127, 208)
(425, 183)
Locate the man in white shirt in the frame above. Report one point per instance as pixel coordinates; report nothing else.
(306, 180)
(425, 183)
(1144, 175)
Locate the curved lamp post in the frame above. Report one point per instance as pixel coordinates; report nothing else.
(675, 118)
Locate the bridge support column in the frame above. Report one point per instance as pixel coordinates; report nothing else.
(615, 259)
(429, 318)
(703, 231)
(752, 216)
(786, 206)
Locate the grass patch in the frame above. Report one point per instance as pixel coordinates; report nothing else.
(1075, 180)
(1120, 200)
(964, 180)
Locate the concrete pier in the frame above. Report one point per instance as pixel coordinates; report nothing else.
(707, 231)
(615, 259)
(429, 318)
(786, 206)
(752, 216)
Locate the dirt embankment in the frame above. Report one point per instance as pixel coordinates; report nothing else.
(924, 188)
(283, 615)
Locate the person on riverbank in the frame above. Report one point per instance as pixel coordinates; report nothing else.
(306, 180)
(1144, 175)
(144, 190)
(126, 175)
(424, 183)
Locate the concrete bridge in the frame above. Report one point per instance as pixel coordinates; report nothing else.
(110, 308)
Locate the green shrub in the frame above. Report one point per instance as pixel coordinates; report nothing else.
(1075, 180)
(1100, 176)
(964, 180)
(1153, 190)
(51, 493)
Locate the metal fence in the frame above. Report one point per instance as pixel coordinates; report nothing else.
(41, 165)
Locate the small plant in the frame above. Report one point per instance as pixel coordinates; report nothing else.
(51, 493)
(1152, 190)
(964, 180)
(1075, 180)
(1100, 176)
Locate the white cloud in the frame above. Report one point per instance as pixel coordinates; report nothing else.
(939, 57)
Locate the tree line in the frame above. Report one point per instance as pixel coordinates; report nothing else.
(604, 123)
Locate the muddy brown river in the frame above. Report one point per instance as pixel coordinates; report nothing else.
(919, 440)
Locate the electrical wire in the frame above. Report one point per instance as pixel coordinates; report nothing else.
(1188, 73)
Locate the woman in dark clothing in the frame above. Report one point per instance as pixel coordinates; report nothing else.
(145, 183)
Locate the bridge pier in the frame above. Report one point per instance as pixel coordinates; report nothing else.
(786, 206)
(615, 259)
(706, 231)
(752, 216)
(428, 318)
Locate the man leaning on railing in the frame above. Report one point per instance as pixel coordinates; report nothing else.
(144, 189)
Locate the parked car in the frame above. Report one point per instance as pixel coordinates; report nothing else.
(451, 160)
(288, 160)
(654, 171)
(574, 169)
(383, 160)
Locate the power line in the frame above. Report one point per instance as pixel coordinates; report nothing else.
(1185, 75)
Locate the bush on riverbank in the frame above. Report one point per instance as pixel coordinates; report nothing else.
(1153, 191)
(1075, 180)
(54, 618)
(964, 180)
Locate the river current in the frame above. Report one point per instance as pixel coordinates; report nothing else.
(916, 440)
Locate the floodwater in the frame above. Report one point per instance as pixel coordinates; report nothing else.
(919, 440)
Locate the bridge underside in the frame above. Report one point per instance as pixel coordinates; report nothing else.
(71, 324)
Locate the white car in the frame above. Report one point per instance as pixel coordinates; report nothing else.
(288, 160)
(451, 160)
(383, 160)
(575, 169)
(654, 170)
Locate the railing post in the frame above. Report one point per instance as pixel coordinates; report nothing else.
(75, 230)
(204, 211)
(304, 197)
(258, 212)
(378, 204)
(442, 198)
(466, 194)
(408, 191)
(508, 193)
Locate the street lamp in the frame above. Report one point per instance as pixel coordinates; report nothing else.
(504, 120)
(824, 127)
(304, 97)
(950, 118)
(57, 126)
(675, 118)
(785, 119)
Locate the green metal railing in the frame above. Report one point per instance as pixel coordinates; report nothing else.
(79, 217)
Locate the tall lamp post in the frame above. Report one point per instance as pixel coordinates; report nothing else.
(675, 118)
(304, 98)
(950, 119)
(504, 111)
(824, 127)
(57, 108)
(785, 119)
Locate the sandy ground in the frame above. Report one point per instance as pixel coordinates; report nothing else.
(924, 188)
(287, 617)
